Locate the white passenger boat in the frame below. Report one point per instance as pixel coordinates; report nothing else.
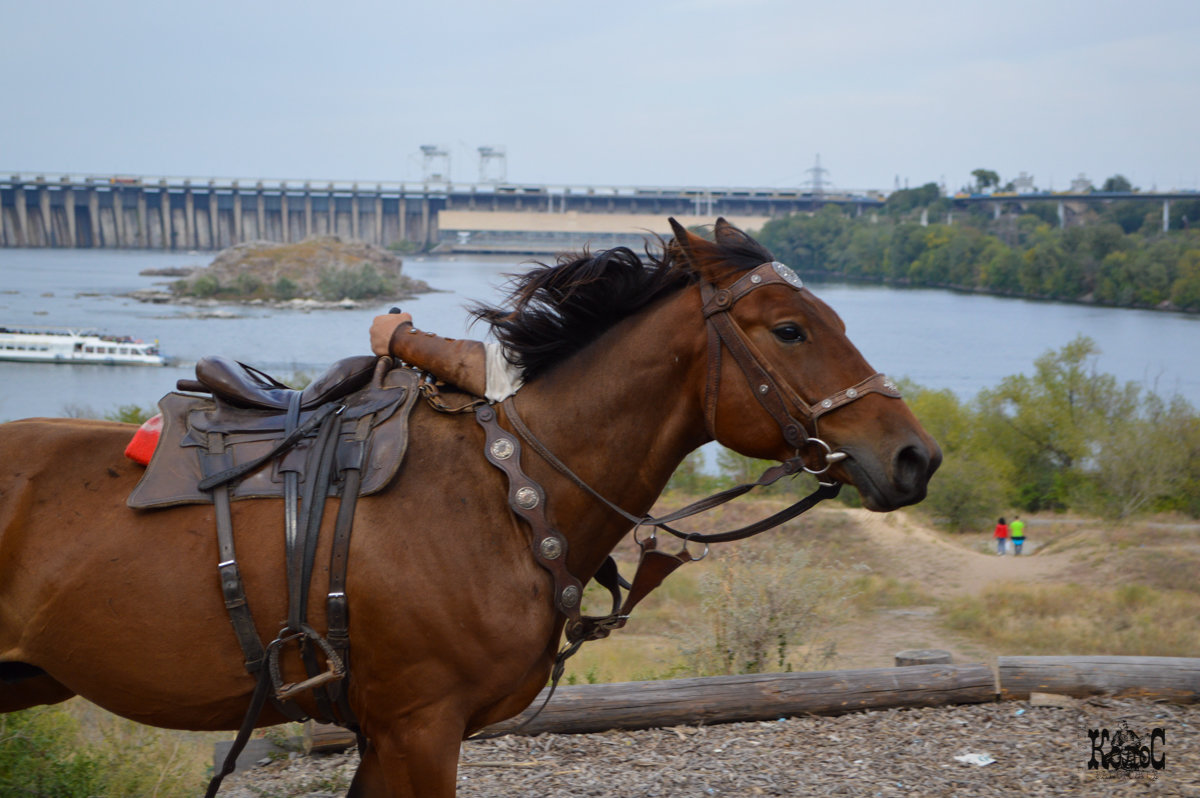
(76, 346)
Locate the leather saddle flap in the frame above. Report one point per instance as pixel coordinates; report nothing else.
(374, 432)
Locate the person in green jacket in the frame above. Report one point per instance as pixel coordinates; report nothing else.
(1016, 531)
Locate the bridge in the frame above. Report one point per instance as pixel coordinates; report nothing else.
(1071, 202)
(190, 213)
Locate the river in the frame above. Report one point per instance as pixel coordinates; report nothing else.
(937, 338)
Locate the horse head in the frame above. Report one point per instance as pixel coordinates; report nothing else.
(785, 383)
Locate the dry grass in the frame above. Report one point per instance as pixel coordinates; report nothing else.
(818, 569)
(1128, 590)
(1130, 619)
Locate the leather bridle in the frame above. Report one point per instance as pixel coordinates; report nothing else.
(771, 390)
(527, 499)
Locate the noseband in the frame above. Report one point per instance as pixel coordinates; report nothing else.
(771, 390)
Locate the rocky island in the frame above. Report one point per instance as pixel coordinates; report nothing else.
(317, 272)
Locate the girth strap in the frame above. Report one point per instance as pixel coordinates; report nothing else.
(302, 529)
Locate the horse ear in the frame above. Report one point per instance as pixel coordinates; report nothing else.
(681, 233)
(725, 233)
(700, 253)
(686, 241)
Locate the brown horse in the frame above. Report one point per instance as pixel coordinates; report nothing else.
(452, 626)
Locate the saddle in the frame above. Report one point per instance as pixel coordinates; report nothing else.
(248, 413)
(252, 437)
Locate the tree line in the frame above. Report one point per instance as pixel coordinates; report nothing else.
(1064, 438)
(1116, 255)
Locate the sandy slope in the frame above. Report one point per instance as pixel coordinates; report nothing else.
(942, 565)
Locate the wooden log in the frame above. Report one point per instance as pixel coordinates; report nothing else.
(1172, 678)
(922, 656)
(580, 709)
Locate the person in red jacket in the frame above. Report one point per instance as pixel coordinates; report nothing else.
(1001, 536)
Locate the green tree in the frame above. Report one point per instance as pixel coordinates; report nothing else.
(1117, 183)
(40, 756)
(809, 242)
(1045, 424)
(1185, 290)
(908, 199)
(284, 288)
(1144, 462)
(359, 282)
(970, 485)
(245, 284)
(985, 178)
(131, 414)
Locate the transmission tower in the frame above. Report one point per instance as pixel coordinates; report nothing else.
(435, 163)
(493, 165)
(817, 181)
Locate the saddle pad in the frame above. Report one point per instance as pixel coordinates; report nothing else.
(374, 427)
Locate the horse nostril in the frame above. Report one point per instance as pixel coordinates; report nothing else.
(911, 469)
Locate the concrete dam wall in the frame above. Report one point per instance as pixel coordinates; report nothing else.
(193, 213)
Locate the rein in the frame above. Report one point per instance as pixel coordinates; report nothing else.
(771, 390)
(527, 499)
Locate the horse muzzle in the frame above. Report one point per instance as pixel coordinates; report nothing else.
(889, 485)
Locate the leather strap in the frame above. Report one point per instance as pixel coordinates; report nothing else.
(302, 529)
(230, 474)
(291, 484)
(337, 611)
(770, 388)
(768, 477)
(262, 688)
(528, 501)
(312, 511)
(232, 587)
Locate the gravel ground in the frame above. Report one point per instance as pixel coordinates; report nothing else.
(1038, 751)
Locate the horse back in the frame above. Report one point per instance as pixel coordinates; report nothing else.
(47, 453)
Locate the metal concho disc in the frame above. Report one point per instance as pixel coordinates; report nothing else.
(570, 596)
(527, 498)
(787, 274)
(551, 548)
(502, 448)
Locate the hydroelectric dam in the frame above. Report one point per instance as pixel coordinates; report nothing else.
(194, 213)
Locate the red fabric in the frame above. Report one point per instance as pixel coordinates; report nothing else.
(1001, 531)
(141, 448)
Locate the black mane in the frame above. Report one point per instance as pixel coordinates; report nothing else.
(554, 311)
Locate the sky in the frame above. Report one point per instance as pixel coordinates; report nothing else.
(621, 92)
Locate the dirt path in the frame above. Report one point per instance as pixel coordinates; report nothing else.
(955, 566)
(943, 566)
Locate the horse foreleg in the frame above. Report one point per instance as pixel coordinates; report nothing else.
(418, 761)
(23, 686)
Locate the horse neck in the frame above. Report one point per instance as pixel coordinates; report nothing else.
(621, 414)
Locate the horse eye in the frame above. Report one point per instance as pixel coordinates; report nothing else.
(789, 333)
